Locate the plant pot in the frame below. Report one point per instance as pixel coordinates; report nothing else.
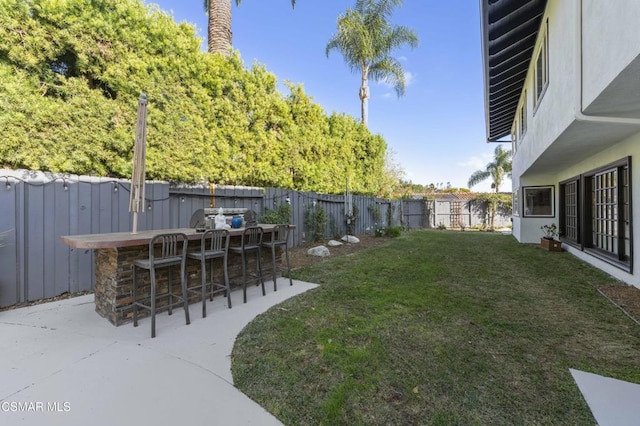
(551, 244)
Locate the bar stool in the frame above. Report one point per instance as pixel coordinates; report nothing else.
(173, 251)
(251, 242)
(213, 245)
(279, 238)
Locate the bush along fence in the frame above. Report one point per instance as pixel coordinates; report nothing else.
(37, 208)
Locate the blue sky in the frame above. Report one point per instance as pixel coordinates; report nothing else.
(436, 131)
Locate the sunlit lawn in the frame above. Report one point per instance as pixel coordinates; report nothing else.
(438, 328)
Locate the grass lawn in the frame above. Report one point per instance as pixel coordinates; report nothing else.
(438, 328)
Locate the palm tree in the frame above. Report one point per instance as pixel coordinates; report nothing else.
(219, 24)
(496, 170)
(366, 39)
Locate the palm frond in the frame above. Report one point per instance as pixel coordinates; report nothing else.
(478, 176)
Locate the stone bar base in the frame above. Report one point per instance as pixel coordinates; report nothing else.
(114, 279)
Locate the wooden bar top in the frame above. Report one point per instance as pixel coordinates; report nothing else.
(128, 239)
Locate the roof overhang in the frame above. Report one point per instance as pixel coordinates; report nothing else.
(509, 32)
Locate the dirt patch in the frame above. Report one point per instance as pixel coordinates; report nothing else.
(625, 296)
(298, 256)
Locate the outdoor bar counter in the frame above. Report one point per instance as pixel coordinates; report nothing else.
(114, 253)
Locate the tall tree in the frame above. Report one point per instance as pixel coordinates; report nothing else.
(219, 24)
(366, 40)
(496, 170)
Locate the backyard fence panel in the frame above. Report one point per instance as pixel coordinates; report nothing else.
(9, 262)
(80, 215)
(396, 213)
(359, 226)
(162, 206)
(125, 221)
(21, 241)
(60, 226)
(414, 213)
(256, 201)
(186, 204)
(336, 218)
(443, 213)
(329, 205)
(384, 214)
(34, 250)
(105, 203)
(223, 196)
(297, 217)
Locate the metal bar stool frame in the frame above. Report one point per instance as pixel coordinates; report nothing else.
(214, 244)
(279, 238)
(251, 241)
(173, 251)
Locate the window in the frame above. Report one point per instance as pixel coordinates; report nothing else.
(541, 80)
(538, 201)
(515, 203)
(569, 212)
(523, 115)
(595, 213)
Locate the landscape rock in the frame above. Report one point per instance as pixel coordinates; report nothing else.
(334, 243)
(350, 239)
(320, 251)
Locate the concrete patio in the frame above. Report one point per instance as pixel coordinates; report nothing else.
(62, 364)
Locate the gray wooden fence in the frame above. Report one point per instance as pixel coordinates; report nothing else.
(462, 214)
(37, 208)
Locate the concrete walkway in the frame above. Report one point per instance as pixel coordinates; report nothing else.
(612, 402)
(62, 364)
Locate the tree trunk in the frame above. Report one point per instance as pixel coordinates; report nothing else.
(219, 26)
(364, 99)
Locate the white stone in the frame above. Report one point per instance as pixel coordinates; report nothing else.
(350, 239)
(320, 251)
(334, 243)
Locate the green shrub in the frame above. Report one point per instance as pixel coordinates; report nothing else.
(281, 213)
(390, 231)
(315, 220)
(393, 231)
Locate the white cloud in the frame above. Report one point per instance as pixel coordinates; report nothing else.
(409, 78)
(476, 162)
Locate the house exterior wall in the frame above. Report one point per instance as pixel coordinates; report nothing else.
(609, 32)
(555, 111)
(590, 45)
(628, 147)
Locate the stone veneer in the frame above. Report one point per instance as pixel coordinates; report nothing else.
(114, 279)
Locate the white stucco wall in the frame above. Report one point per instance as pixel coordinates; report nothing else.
(527, 229)
(611, 40)
(556, 109)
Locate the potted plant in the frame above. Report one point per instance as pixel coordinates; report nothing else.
(548, 241)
